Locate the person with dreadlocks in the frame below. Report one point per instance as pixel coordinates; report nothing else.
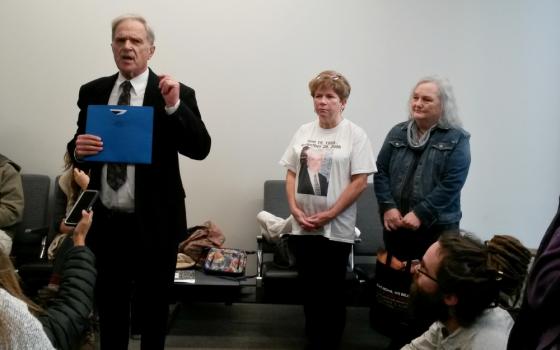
(467, 287)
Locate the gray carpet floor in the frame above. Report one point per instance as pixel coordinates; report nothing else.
(257, 326)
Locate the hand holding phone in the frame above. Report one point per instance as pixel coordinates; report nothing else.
(80, 232)
(84, 202)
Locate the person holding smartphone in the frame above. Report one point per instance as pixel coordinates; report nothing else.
(61, 325)
(70, 184)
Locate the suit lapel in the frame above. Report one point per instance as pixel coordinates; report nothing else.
(100, 96)
(104, 89)
(152, 96)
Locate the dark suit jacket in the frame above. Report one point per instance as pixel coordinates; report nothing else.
(159, 193)
(537, 325)
(305, 186)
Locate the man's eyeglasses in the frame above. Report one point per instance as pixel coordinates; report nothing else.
(416, 266)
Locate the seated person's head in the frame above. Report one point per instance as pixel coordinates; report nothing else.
(459, 277)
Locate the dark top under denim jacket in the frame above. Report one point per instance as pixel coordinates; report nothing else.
(441, 170)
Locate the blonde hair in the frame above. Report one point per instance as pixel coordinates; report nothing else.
(331, 79)
(66, 180)
(9, 281)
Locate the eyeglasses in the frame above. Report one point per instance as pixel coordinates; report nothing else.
(416, 266)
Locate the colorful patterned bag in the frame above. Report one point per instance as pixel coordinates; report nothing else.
(226, 262)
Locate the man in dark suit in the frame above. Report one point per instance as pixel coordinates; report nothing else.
(141, 215)
(537, 326)
(310, 180)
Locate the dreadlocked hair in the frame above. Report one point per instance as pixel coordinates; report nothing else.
(509, 258)
(481, 275)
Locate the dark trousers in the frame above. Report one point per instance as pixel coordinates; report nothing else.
(131, 260)
(409, 245)
(322, 265)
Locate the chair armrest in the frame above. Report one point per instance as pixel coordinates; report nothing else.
(43, 248)
(32, 235)
(357, 240)
(351, 259)
(42, 232)
(260, 239)
(28, 245)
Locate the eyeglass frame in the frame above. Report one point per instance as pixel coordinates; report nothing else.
(416, 266)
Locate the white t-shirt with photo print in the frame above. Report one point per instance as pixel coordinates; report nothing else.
(343, 151)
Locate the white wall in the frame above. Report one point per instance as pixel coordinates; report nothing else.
(250, 62)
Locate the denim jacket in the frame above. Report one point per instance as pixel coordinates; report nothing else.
(440, 174)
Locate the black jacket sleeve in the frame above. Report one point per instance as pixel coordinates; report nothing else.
(67, 317)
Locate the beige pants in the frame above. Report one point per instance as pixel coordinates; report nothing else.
(5, 243)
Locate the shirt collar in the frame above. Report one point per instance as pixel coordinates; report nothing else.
(138, 83)
(404, 125)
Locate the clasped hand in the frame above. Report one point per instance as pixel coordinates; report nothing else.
(312, 222)
(393, 220)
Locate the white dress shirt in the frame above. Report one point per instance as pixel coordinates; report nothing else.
(123, 198)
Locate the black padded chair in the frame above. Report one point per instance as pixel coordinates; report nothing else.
(33, 229)
(275, 283)
(279, 284)
(30, 238)
(371, 239)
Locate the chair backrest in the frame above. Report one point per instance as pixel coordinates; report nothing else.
(367, 219)
(29, 232)
(276, 203)
(275, 200)
(369, 223)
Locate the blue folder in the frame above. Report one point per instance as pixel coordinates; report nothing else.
(126, 132)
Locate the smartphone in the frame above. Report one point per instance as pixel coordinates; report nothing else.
(84, 202)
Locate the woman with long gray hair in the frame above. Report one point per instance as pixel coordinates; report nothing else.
(422, 167)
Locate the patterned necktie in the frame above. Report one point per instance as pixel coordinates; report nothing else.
(116, 172)
(316, 185)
